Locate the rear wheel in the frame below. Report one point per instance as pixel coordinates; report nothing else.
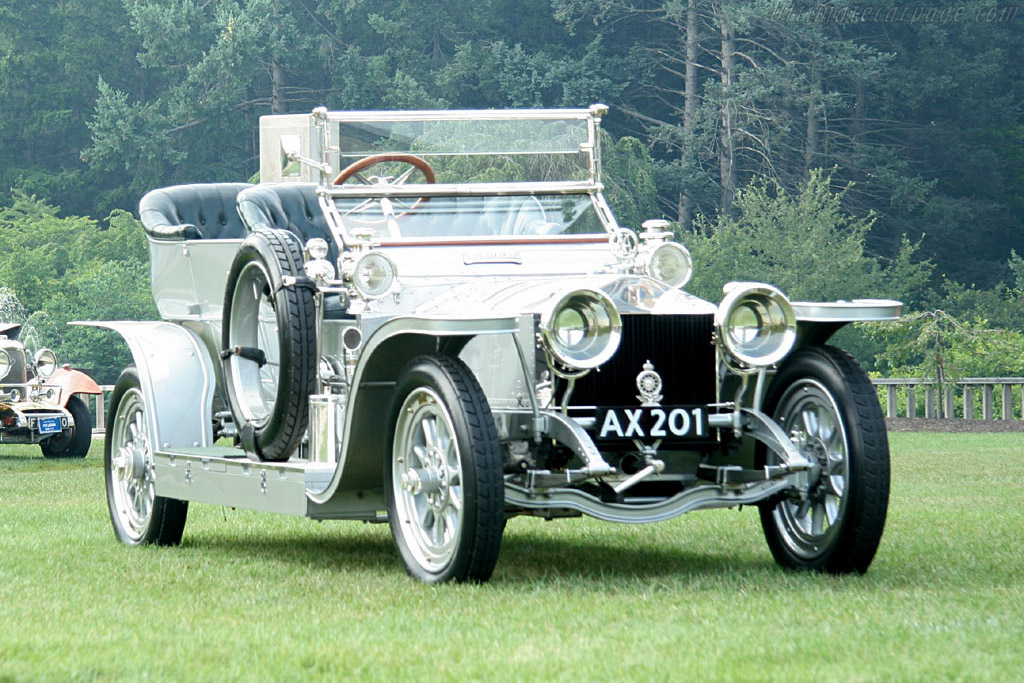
(826, 404)
(139, 516)
(443, 476)
(75, 442)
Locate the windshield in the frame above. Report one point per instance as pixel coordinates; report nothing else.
(469, 216)
(487, 150)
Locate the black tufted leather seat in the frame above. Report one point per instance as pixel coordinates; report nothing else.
(293, 207)
(188, 212)
(287, 206)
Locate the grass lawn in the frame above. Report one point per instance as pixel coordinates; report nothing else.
(263, 597)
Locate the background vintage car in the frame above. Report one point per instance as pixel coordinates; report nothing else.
(40, 402)
(433, 319)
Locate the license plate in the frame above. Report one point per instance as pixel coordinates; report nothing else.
(49, 425)
(654, 422)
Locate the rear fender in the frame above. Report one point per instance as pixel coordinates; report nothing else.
(71, 382)
(177, 377)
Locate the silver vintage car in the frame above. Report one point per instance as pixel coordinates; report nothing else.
(432, 319)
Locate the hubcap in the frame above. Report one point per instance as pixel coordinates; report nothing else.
(132, 469)
(809, 414)
(427, 479)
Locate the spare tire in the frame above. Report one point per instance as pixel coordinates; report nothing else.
(269, 342)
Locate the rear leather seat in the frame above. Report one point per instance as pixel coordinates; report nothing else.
(190, 212)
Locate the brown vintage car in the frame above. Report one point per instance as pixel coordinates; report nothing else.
(40, 401)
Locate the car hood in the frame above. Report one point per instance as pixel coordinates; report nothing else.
(499, 297)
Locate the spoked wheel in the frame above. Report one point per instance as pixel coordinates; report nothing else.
(826, 404)
(443, 477)
(269, 339)
(139, 516)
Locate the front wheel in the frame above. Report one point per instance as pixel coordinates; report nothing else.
(825, 402)
(139, 515)
(443, 476)
(75, 442)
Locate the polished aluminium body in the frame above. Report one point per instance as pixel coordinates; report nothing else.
(39, 402)
(434, 319)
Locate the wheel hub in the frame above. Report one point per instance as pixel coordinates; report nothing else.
(430, 480)
(817, 453)
(130, 463)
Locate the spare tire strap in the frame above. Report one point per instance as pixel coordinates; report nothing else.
(296, 281)
(247, 352)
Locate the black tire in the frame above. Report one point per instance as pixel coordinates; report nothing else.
(824, 394)
(138, 515)
(272, 421)
(75, 442)
(449, 528)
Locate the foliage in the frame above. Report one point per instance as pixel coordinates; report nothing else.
(50, 56)
(975, 333)
(919, 107)
(915, 111)
(11, 311)
(73, 268)
(806, 244)
(922, 117)
(629, 175)
(934, 344)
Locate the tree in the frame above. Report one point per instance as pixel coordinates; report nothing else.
(936, 345)
(918, 107)
(630, 178)
(806, 244)
(85, 295)
(946, 114)
(731, 90)
(64, 268)
(209, 68)
(11, 310)
(50, 56)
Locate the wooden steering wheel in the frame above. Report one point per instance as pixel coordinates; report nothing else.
(387, 204)
(374, 159)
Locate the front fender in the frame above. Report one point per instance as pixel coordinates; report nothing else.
(177, 377)
(385, 353)
(70, 382)
(817, 321)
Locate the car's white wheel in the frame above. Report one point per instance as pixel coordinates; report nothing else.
(826, 404)
(443, 476)
(139, 516)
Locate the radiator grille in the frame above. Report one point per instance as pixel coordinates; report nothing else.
(679, 346)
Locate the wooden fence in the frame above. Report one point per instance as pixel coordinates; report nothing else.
(97, 404)
(985, 398)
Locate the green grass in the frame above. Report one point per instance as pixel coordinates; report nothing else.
(263, 597)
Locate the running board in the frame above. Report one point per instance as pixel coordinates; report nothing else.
(226, 476)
